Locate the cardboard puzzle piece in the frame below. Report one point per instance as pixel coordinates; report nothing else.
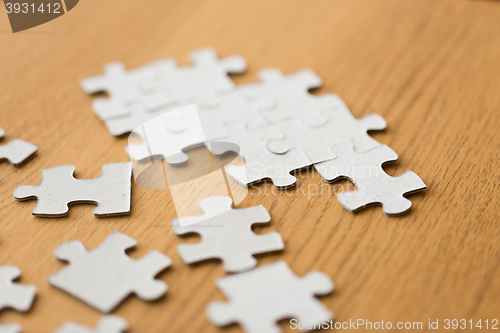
(200, 82)
(107, 324)
(374, 185)
(10, 328)
(16, 151)
(260, 163)
(14, 295)
(258, 299)
(316, 141)
(288, 96)
(226, 234)
(105, 276)
(59, 189)
(124, 90)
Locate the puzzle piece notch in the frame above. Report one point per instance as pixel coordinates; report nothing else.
(107, 324)
(105, 276)
(14, 295)
(200, 82)
(10, 328)
(124, 90)
(226, 234)
(288, 96)
(374, 185)
(316, 141)
(59, 189)
(263, 296)
(260, 163)
(16, 151)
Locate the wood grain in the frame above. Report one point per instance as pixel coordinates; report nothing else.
(431, 68)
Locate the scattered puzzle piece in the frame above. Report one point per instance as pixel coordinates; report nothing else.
(261, 297)
(14, 295)
(58, 189)
(200, 82)
(316, 141)
(260, 163)
(105, 276)
(226, 234)
(10, 328)
(107, 324)
(374, 185)
(288, 96)
(16, 151)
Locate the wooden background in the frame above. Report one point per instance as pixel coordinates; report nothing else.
(430, 67)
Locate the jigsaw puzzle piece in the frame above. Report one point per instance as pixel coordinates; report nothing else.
(10, 328)
(59, 189)
(316, 141)
(226, 234)
(105, 276)
(260, 163)
(258, 299)
(374, 185)
(160, 143)
(107, 324)
(288, 96)
(124, 90)
(16, 151)
(14, 295)
(200, 82)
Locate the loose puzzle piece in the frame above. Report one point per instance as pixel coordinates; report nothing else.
(107, 324)
(226, 234)
(160, 143)
(105, 276)
(10, 328)
(288, 96)
(260, 163)
(261, 297)
(316, 141)
(200, 82)
(16, 151)
(374, 185)
(59, 189)
(124, 90)
(14, 295)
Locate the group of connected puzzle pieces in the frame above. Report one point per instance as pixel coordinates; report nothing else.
(277, 125)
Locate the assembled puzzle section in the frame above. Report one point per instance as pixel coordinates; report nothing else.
(226, 234)
(258, 299)
(105, 276)
(58, 189)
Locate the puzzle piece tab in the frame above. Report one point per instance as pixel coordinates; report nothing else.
(226, 234)
(263, 296)
(58, 189)
(288, 96)
(105, 276)
(14, 295)
(16, 151)
(374, 185)
(107, 324)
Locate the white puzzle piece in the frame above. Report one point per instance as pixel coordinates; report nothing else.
(288, 96)
(258, 299)
(105, 276)
(260, 163)
(16, 151)
(14, 295)
(59, 188)
(124, 90)
(226, 234)
(374, 185)
(200, 82)
(10, 328)
(316, 141)
(107, 324)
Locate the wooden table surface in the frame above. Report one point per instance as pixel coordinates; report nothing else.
(430, 67)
